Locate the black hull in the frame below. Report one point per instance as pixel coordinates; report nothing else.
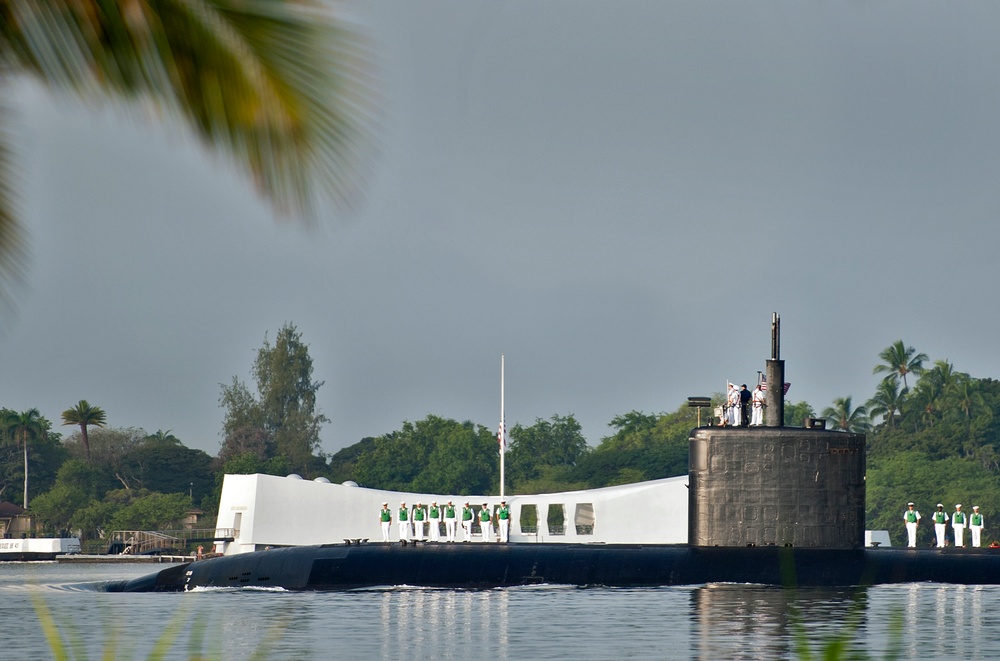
(480, 566)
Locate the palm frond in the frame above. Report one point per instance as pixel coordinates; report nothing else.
(282, 87)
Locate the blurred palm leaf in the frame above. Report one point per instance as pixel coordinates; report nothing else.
(280, 86)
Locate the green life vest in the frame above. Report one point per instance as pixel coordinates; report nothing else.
(418, 514)
(466, 514)
(911, 517)
(503, 513)
(402, 514)
(435, 513)
(484, 515)
(977, 519)
(959, 517)
(449, 512)
(939, 517)
(386, 515)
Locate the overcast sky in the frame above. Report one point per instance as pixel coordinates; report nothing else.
(615, 195)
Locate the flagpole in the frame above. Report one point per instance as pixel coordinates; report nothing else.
(503, 431)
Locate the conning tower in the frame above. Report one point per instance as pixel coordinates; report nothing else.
(776, 485)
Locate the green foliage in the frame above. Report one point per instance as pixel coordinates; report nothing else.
(843, 416)
(85, 415)
(282, 419)
(86, 496)
(169, 467)
(45, 454)
(434, 454)
(937, 441)
(910, 476)
(77, 485)
(644, 447)
(23, 429)
(796, 414)
(555, 442)
(341, 467)
(145, 510)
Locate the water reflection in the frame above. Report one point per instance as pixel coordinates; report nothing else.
(426, 624)
(539, 623)
(944, 620)
(763, 622)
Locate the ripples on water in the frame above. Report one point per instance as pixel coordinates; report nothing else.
(538, 622)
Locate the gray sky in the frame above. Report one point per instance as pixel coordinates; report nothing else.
(616, 195)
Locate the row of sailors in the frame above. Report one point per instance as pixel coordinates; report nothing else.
(744, 408)
(959, 521)
(434, 515)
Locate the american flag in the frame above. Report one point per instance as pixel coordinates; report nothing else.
(763, 385)
(502, 438)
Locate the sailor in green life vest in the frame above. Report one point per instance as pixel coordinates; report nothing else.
(434, 522)
(912, 519)
(976, 524)
(486, 523)
(385, 519)
(503, 520)
(940, 525)
(418, 522)
(404, 523)
(467, 515)
(958, 526)
(449, 521)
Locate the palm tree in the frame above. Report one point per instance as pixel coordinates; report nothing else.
(163, 437)
(887, 401)
(900, 361)
(23, 427)
(85, 415)
(926, 401)
(969, 399)
(281, 87)
(846, 418)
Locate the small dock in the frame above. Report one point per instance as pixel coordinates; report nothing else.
(81, 558)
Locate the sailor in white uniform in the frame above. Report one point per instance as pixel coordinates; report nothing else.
(503, 520)
(976, 525)
(434, 522)
(486, 523)
(757, 419)
(404, 523)
(734, 406)
(467, 516)
(449, 521)
(385, 519)
(940, 525)
(958, 526)
(912, 519)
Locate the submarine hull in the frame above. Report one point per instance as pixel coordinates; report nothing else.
(481, 566)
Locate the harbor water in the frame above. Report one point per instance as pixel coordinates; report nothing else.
(716, 621)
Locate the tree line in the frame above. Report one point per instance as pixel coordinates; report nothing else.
(932, 437)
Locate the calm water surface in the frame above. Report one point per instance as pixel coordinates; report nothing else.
(932, 621)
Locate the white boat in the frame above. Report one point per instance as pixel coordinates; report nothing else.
(45, 548)
(261, 511)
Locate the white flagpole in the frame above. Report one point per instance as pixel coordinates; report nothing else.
(503, 431)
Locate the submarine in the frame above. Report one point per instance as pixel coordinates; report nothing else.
(769, 505)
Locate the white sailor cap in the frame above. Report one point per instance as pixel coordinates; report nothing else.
(975, 507)
(940, 505)
(959, 506)
(909, 504)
